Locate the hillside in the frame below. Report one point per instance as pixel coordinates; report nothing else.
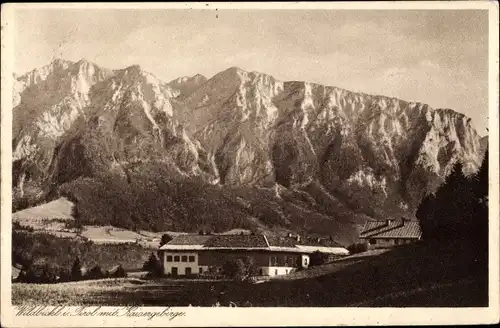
(411, 275)
(238, 150)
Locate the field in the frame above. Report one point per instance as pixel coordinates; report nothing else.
(411, 275)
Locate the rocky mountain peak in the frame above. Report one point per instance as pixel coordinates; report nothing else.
(368, 154)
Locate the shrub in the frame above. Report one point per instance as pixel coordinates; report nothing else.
(64, 275)
(95, 273)
(240, 269)
(119, 272)
(357, 248)
(318, 258)
(153, 266)
(40, 273)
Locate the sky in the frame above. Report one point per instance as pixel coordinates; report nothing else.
(438, 57)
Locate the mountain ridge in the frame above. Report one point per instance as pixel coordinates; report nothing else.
(371, 156)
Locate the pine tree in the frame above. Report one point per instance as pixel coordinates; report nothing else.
(479, 229)
(426, 216)
(448, 214)
(76, 270)
(165, 238)
(153, 266)
(454, 205)
(482, 178)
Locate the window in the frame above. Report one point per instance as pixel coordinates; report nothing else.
(373, 241)
(201, 270)
(169, 258)
(276, 272)
(191, 258)
(184, 258)
(176, 258)
(396, 241)
(305, 261)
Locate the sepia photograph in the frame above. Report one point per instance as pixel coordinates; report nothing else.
(213, 155)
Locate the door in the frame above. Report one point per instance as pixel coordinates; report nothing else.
(174, 271)
(188, 271)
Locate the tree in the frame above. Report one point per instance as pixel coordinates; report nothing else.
(318, 258)
(425, 215)
(482, 180)
(153, 266)
(481, 185)
(454, 213)
(240, 269)
(40, 273)
(165, 238)
(76, 270)
(77, 220)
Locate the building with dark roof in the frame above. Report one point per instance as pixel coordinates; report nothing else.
(388, 233)
(273, 255)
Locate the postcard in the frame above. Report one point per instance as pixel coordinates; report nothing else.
(249, 164)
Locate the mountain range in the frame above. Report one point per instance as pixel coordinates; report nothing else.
(240, 149)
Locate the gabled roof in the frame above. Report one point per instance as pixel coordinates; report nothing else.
(285, 241)
(281, 241)
(391, 229)
(252, 242)
(189, 240)
(237, 241)
(314, 241)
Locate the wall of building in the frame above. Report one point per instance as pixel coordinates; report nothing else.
(219, 258)
(180, 265)
(387, 242)
(260, 259)
(275, 263)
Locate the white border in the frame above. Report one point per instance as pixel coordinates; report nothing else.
(261, 316)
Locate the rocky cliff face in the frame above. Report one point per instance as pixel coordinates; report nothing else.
(47, 102)
(259, 131)
(367, 154)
